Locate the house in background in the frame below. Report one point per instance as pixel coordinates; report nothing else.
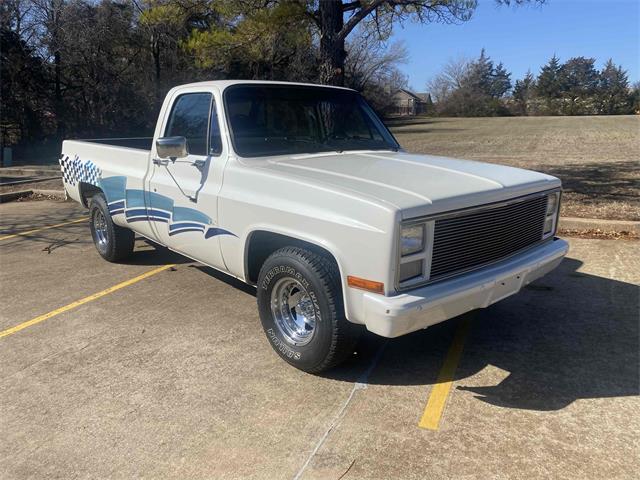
(405, 102)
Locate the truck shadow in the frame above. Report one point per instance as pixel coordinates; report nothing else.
(568, 336)
(150, 253)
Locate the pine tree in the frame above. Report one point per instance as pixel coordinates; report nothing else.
(635, 98)
(523, 93)
(548, 83)
(578, 84)
(480, 77)
(500, 81)
(613, 90)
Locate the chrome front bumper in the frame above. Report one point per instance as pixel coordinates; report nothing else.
(431, 304)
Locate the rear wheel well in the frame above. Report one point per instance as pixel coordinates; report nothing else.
(87, 191)
(262, 243)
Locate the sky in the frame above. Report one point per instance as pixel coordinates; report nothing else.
(526, 37)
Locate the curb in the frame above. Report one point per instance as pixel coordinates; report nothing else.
(574, 223)
(10, 196)
(27, 171)
(28, 180)
(59, 194)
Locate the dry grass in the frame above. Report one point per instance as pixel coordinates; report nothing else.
(598, 234)
(597, 158)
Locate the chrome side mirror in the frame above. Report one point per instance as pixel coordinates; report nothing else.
(172, 147)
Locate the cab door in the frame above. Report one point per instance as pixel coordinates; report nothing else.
(182, 194)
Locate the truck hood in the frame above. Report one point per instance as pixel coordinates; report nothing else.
(415, 184)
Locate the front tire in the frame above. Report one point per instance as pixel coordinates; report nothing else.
(301, 309)
(114, 243)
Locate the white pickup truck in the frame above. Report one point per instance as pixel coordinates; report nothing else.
(302, 191)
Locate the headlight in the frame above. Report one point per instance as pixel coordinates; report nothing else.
(550, 221)
(411, 240)
(412, 262)
(552, 203)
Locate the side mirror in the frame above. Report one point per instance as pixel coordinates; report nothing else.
(172, 147)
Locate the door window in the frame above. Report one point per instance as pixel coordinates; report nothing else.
(190, 119)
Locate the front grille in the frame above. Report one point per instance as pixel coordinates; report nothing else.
(466, 241)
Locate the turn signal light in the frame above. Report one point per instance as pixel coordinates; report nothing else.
(363, 284)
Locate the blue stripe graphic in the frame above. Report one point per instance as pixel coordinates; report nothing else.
(117, 204)
(135, 212)
(141, 206)
(176, 226)
(175, 232)
(214, 232)
(145, 219)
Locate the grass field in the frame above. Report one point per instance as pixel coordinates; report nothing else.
(597, 158)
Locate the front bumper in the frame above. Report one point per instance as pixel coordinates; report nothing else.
(431, 304)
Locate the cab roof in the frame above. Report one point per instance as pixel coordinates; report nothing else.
(223, 84)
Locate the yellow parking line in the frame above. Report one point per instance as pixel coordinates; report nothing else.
(440, 391)
(82, 301)
(21, 234)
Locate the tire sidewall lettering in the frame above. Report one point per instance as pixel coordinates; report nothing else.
(287, 270)
(282, 346)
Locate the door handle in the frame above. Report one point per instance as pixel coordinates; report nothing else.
(160, 161)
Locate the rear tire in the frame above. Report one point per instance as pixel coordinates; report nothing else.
(301, 309)
(114, 243)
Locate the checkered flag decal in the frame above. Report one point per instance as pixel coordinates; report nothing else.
(75, 170)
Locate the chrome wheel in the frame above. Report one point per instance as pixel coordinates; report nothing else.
(100, 228)
(293, 311)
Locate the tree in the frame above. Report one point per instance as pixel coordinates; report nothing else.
(548, 84)
(500, 81)
(335, 20)
(372, 68)
(450, 79)
(472, 88)
(523, 93)
(256, 39)
(578, 85)
(23, 102)
(635, 98)
(46, 18)
(379, 15)
(613, 90)
(372, 61)
(330, 21)
(479, 78)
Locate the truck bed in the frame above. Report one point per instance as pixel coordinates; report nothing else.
(139, 143)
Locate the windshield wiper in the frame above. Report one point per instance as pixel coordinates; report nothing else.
(307, 141)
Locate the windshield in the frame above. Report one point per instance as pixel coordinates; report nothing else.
(286, 119)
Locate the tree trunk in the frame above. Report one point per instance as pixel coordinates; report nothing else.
(155, 52)
(59, 104)
(332, 53)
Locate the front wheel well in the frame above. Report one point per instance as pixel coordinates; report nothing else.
(262, 243)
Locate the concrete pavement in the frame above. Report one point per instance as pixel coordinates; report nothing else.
(172, 377)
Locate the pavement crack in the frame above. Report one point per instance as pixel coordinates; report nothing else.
(51, 356)
(361, 384)
(347, 470)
